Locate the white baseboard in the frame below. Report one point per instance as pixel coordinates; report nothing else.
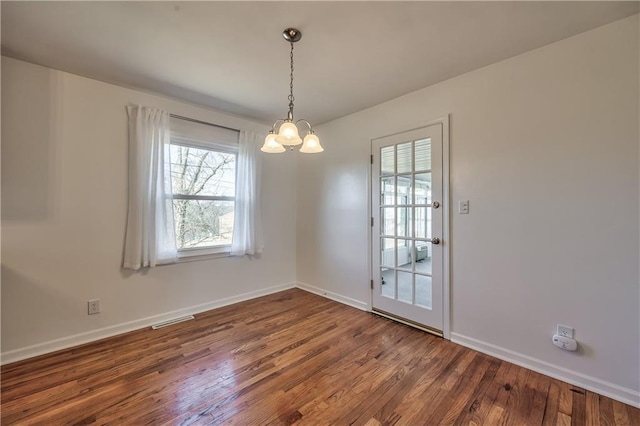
(363, 306)
(91, 336)
(602, 387)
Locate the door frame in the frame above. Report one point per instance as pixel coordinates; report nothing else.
(446, 213)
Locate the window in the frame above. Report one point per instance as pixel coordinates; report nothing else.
(197, 180)
(203, 182)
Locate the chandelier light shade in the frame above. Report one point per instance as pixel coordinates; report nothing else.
(271, 146)
(311, 144)
(288, 132)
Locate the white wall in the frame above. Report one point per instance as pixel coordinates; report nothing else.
(545, 147)
(64, 206)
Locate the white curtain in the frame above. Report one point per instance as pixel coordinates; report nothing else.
(247, 228)
(150, 237)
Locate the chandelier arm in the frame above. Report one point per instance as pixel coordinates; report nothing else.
(305, 122)
(275, 124)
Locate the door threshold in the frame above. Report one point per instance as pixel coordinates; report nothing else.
(407, 322)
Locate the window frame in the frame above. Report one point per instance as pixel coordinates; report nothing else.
(215, 251)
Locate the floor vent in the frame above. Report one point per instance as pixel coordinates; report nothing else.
(172, 321)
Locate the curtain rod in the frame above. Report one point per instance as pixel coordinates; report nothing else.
(180, 117)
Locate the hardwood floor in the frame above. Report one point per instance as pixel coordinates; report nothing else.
(291, 357)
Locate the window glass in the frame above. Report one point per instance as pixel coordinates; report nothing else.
(203, 223)
(198, 171)
(203, 183)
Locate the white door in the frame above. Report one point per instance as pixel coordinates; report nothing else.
(407, 223)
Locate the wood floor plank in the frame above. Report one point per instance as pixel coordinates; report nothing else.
(385, 401)
(579, 411)
(475, 410)
(620, 414)
(289, 358)
(633, 415)
(378, 388)
(451, 406)
(417, 397)
(515, 406)
(566, 400)
(427, 403)
(563, 420)
(606, 411)
(552, 405)
(540, 388)
(593, 409)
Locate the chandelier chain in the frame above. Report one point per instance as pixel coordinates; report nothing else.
(291, 98)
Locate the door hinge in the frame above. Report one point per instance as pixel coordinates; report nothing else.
(371, 158)
(371, 220)
(371, 284)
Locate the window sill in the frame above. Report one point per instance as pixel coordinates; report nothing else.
(192, 255)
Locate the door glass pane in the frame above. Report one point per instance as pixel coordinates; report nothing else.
(388, 282)
(423, 155)
(387, 160)
(423, 291)
(404, 253)
(403, 223)
(404, 157)
(405, 286)
(388, 252)
(423, 252)
(387, 190)
(420, 222)
(423, 188)
(388, 221)
(404, 190)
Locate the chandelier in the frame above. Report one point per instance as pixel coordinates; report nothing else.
(287, 134)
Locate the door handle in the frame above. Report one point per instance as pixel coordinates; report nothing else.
(435, 204)
(435, 240)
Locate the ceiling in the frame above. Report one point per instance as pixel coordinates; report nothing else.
(231, 55)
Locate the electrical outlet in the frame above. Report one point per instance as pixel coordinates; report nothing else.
(463, 207)
(93, 306)
(565, 331)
